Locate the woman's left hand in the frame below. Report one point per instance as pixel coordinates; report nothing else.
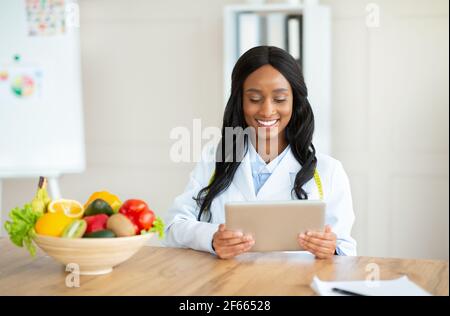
(320, 243)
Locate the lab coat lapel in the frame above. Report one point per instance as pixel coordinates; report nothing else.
(280, 183)
(243, 179)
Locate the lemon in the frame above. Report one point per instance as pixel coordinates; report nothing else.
(52, 224)
(70, 208)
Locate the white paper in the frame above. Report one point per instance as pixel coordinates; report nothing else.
(397, 287)
(249, 32)
(275, 30)
(294, 37)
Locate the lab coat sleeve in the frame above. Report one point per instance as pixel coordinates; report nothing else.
(182, 227)
(340, 213)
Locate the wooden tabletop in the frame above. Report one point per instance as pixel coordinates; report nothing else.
(170, 271)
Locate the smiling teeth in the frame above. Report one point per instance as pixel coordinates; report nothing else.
(267, 123)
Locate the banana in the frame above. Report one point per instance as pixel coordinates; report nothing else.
(41, 200)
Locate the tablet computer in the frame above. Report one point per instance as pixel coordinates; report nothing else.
(275, 225)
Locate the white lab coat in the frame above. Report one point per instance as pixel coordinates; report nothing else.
(184, 230)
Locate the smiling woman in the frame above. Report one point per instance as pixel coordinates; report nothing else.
(267, 108)
(273, 158)
(262, 72)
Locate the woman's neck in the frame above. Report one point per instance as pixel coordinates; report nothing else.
(269, 149)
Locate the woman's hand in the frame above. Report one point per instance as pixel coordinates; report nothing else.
(229, 243)
(320, 243)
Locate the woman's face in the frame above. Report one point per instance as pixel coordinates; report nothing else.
(267, 103)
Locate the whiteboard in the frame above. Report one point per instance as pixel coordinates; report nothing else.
(41, 117)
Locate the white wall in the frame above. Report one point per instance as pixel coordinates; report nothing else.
(149, 66)
(390, 123)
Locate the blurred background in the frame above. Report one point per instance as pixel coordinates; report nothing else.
(150, 66)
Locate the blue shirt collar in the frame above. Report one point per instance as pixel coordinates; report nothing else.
(258, 165)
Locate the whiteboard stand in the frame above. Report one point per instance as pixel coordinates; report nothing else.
(53, 186)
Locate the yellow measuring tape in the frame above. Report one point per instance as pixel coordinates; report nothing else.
(316, 179)
(318, 183)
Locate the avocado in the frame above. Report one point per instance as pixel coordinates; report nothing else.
(105, 233)
(98, 206)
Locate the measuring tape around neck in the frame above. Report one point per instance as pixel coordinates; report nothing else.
(318, 184)
(316, 179)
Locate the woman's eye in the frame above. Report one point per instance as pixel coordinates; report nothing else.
(280, 100)
(255, 100)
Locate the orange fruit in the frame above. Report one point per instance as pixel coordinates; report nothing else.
(52, 224)
(109, 198)
(70, 208)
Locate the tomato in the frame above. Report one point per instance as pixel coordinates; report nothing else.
(146, 219)
(138, 212)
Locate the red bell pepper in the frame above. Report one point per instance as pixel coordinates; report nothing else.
(139, 214)
(95, 222)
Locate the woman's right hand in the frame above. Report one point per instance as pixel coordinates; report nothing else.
(228, 243)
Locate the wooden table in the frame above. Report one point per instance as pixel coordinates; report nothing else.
(170, 271)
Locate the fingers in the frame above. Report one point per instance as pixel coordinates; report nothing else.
(318, 241)
(235, 250)
(233, 241)
(317, 247)
(321, 235)
(321, 243)
(318, 251)
(228, 243)
(323, 255)
(227, 234)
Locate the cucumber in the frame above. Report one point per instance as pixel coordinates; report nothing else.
(98, 206)
(105, 233)
(75, 229)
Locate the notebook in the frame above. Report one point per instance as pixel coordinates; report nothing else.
(397, 287)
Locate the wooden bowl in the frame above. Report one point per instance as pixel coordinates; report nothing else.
(92, 255)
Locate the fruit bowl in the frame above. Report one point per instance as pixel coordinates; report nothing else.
(94, 256)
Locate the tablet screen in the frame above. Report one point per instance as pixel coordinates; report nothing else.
(275, 225)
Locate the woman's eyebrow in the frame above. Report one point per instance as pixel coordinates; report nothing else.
(280, 90)
(259, 91)
(253, 90)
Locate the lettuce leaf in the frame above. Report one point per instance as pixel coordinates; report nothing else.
(21, 227)
(157, 227)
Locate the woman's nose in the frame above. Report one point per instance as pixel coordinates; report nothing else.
(267, 108)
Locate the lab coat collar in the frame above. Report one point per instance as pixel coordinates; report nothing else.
(281, 180)
(243, 179)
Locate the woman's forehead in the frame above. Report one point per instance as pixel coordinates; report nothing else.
(266, 78)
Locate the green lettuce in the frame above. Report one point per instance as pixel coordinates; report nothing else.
(21, 227)
(157, 227)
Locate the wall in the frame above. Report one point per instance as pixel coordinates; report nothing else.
(390, 123)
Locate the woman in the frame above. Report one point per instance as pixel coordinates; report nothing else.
(272, 158)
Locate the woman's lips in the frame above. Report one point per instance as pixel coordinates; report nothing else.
(267, 123)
